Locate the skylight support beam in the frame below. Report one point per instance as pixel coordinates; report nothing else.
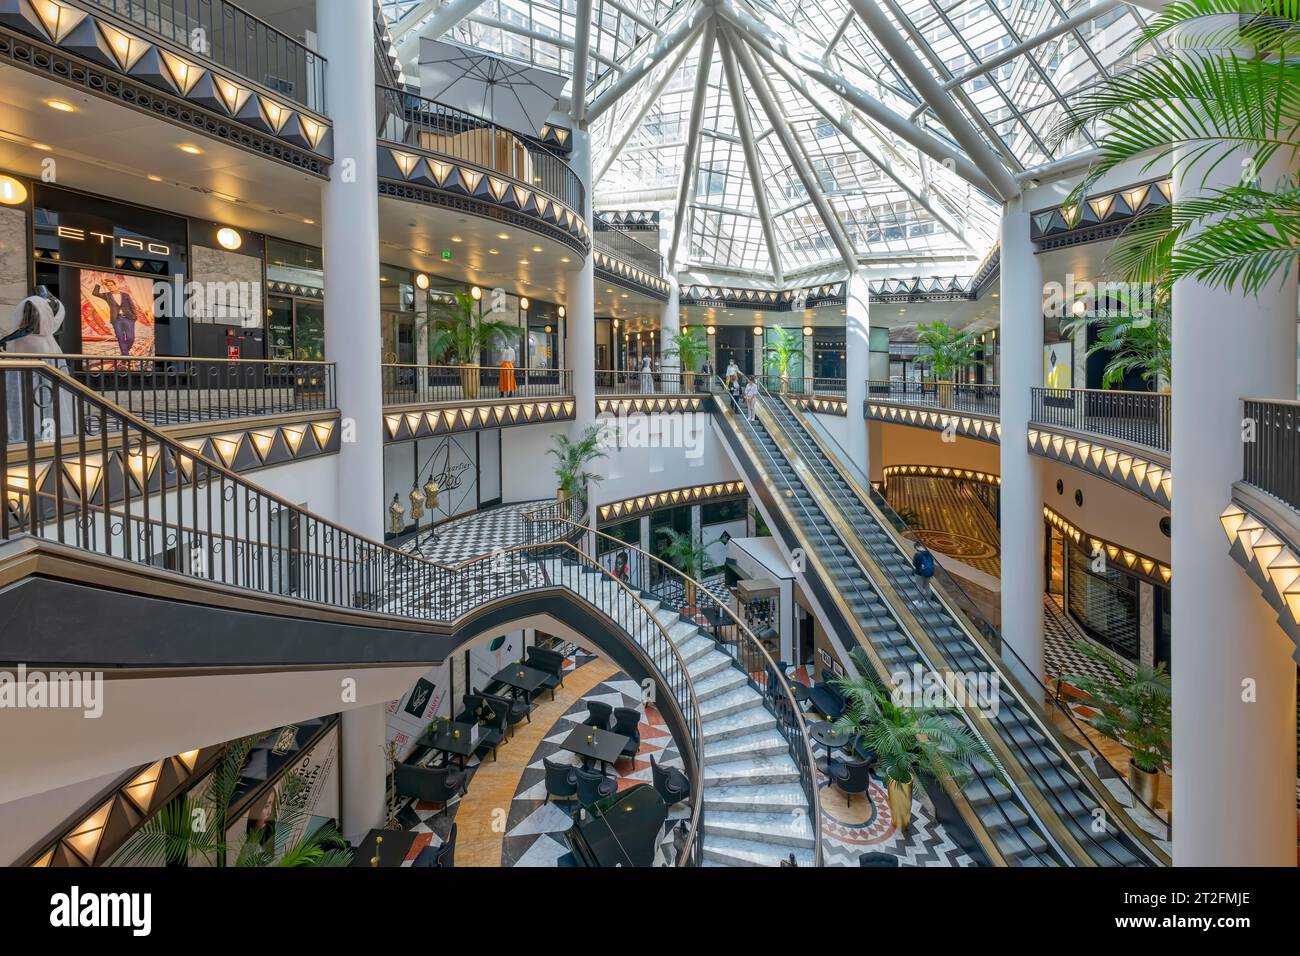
(561, 42)
(632, 14)
(651, 98)
(408, 37)
(578, 83)
(887, 35)
(687, 29)
(741, 110)
(762, 38)
(847, 130)
(825, 211)
(692, 151)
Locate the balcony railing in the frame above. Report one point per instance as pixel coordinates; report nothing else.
(803, 385)
(952, 396)
(622, 382)
(414, 121)
(446, 384)
(176, 390)
(233, 38)
(625, 246)
(1139, 418)
(1272, 461)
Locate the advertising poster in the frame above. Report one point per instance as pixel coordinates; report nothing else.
(1058, 365)
(411, 715)
(117, 314)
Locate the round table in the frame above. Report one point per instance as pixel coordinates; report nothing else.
(823, 732)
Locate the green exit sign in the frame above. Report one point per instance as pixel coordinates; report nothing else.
(446, 255)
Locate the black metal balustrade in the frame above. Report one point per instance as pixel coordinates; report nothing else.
(950, 396)
(1271, 457)
(411, 120)
(94, 477)
(634, 382)
(233, 38)
(1139, 418)
(625, 246)
(177, 390)
(804, 385)
(454, 384)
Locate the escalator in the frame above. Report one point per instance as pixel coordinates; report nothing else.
(1043, 810)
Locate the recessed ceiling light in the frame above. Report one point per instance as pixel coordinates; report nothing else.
(537, 248)
(503, 235)
(190, 148)
(457, 239)
(492, 252)
(229, 238)
(12, 191)
(523, 262)
(63, 106)
(309, 222)
(154, 178)
(45, 147)
(564, 259)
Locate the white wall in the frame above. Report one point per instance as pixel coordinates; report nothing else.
(527, 471)
(312, 482)
(1108, 511)
(24, 821)
(632, 471)
(909, 445)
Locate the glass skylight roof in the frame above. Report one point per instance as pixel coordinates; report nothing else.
(890, 169)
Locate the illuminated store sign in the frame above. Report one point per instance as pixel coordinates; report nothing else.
(125, 243)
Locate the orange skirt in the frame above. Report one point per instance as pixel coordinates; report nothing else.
(508, 377)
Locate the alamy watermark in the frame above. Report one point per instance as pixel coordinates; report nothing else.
(53, 690)
(1078, 297)
(637, 430)
(968, 690)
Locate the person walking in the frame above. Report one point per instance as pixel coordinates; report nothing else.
(732, 375)
(751, 397)
(923, 567)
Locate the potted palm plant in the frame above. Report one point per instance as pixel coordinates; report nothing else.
(779, 355)
(1135, 341)
(194, 828)
(571, 461)
(1132, 708)
(946, 350)
(691, 348)
(687, 554)
(911, 744)
(459, 335)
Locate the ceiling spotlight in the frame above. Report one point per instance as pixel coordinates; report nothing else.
(565, 259)
(523, 262)
(63, 106)
(190, 148)
(537, 248)
(492, 252)
(503, 235)
(457, 239)
(12, 191)
(476, 293)
(421, 281)
(229, 238)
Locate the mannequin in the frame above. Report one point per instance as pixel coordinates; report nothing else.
(508, 384)
(33, 329)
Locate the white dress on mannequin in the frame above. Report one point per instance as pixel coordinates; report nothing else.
(32, 330)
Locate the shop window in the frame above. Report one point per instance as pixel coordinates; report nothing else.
(1104, 604)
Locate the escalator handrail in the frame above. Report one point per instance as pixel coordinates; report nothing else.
(775, 476)
(873, 504)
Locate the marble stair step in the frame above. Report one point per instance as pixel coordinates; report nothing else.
(732, 852)
(732, 702)
(772, 798)
(739, 724)
(789, 828)
(754, 769)
(700, 650)
(716, 685)
(766, 741)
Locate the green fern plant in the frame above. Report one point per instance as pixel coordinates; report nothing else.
(572, 456)
(783, 350)
(946, 350)
(1132, 708)
(691, 347)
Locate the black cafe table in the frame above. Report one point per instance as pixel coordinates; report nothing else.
(392, 851)
(823, 732)
(454, 738)
(521, 679)
(592, 744)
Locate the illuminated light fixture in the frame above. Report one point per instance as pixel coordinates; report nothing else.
(807, 330)
(62, 106)
(1079, 307)
(232, 96)
(421, 281)
(43, 147)
(59, 20)
(126, 48)
(476, 293)
(493, 252)
(457, 239)
(523, 303)
(562, 312)
(12, 191)
(565, 259)
(548, 330)
(616, 323)
(758, 330)
(309, 222)
(183, 73)
(154, 178)
(190, 148)
(84, 838)
(523, 262)
(537, 248)
(229, 238)
(503, 235)
(712, 330)
(276, 115)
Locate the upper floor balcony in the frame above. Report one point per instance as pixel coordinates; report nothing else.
(623, 258)
(425, 400)
(434, 153)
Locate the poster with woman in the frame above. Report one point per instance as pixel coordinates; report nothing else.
(117, 314)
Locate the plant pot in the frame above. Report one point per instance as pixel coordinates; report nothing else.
(561, 495)
(469, 382)
(1146, 784)
(690, 596)
(900, 803)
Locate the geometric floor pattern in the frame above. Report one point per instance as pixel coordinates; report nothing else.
(535, 829)
(951, 519)
(1060, 656)
(474, 535)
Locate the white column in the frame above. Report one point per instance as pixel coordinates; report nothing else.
(670, 323)
(351, 230)
(1234, 763)
(580, 340)
(857, 364)
(364, 770)
(352, 339)
(1022, 495)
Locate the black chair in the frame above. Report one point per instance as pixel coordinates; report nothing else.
(669, 782)
(434, 784)
(444, 856)
(598, 714)
(552, 662)
(852, 776)
(493, 721)
(828, 700)
(561, 780)
(593, 787)
(517, 708)
(627, 722)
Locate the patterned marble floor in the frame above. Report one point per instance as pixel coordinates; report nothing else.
(516, 826)
(951, 519)
(473, 535)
